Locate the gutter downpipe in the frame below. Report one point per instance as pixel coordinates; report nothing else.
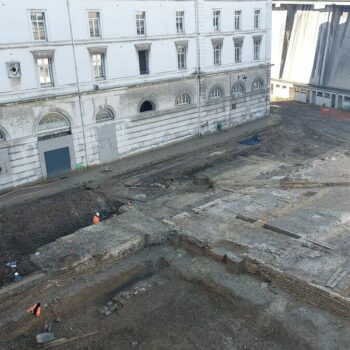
(78, 82)
(198, 70)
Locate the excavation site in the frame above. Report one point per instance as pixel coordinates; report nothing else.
(172, 295)
(235, 245)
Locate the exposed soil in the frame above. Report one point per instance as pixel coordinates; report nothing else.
(172, 313)
(166, 312)
(27, 226)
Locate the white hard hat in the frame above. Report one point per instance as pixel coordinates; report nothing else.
(16, 273)
(97, 214)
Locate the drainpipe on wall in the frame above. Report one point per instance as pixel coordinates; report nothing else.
(198, 69)
(78, 82)
(268, 44)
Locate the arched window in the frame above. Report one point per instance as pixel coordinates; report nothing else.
(53, 123)
(183, 99)
(258, 84)
(215, 93)
(238, 90)
(104, 114)
(2, 136)
(146, 106)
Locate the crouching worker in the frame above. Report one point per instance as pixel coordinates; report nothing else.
(35, 310)
(96, 219)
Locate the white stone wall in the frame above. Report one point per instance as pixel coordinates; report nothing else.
(23, 102)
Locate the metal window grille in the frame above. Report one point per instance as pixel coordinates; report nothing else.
(258, 84)
(215, 93)
(238, 90)
(183, 99)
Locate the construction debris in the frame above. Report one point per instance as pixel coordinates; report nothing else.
(43, 338)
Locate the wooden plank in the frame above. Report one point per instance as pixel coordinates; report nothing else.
(62, 341)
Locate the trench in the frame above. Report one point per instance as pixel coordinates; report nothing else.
(27, 226)
(169, 296)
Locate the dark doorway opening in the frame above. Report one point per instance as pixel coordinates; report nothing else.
(57, 162)
(143, 62)
(333, 101)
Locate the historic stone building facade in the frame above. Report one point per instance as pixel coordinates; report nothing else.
(310, 52)
(85, 82)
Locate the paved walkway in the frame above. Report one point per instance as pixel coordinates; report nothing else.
(97, 175)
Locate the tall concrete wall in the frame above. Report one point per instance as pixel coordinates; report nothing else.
(311, 45)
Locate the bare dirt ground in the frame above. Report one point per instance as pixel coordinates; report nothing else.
(26, 227)
(295, 181)
(176, 308)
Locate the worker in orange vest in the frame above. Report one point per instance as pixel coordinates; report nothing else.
(35, 310)
(96, 219)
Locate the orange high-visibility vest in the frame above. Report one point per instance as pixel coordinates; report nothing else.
(35, 310)
(38, 311)
(95, 220)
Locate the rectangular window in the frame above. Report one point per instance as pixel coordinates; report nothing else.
(181, 57)
(217, 54)
(94, 24)
(257, 45)
(238, 51)
(320, 94)
(256, 19)
(327, 95)
(98, 65)
(233, 106)
(38, 25)
(346, 98)
(216, 20)
(238, 20)
(141, 23)
(44, 65)
(180, 21)
(144, 61)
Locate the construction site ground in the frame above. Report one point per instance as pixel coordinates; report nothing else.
(224, 245)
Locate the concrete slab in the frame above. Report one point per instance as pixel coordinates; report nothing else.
(111, 238)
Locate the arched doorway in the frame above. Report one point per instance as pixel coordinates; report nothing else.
(106, 134)
(55, 144)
